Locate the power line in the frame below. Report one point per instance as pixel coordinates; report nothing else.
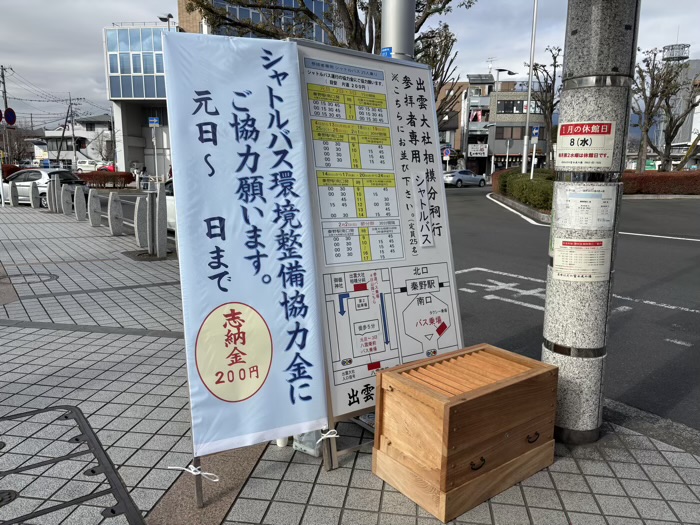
(46, 93)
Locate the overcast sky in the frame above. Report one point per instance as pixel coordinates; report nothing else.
(56, 45)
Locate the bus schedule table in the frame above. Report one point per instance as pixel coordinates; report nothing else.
(343, 145)
(347, 104)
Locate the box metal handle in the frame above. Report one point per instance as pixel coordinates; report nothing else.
(474, 466)
(533, 438)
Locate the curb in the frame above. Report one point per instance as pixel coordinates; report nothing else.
(658, 197)
(653, 426)
(523, 208)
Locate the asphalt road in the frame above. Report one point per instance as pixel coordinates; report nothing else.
(654, 332)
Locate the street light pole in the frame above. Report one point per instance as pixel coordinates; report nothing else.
(523, 167)
(398, 28)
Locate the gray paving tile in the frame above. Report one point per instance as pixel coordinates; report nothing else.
(479, 514)
(269, 470)
(366, 480)
(627, 470)
(132, 475)
(74, 489)
(689, 475)
(159, 479)
(548, 517)
(676, 492)
(397, 503)
(586, 452)
(540, 479)
(358, 517)
(512, 496)
(681, 459)
(258, 488)
(85, 515)
(275, 453)
(649, 457)
(616, 520)
(328, 495)
(248, 511)
(653, 509)
(283, 513)
(564, 465)
(579, 502)
(572, 482)
(509, 514)
(687, 512)
(595, 468)
(640, 489)
(301, 472)
(321, 516)
(616, 506)
(659, 473)
(363, 499)
(293, 492)
(544, 498)
(396, 519)
(586, 519)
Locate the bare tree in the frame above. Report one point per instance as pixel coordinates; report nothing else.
(355, 24)
(546, 96)
(662, 92)
(434, 48)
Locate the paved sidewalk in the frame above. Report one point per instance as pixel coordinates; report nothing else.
(91, 328)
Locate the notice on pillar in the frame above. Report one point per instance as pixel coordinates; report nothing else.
(585, 206)
(582, 260)
(585, 145)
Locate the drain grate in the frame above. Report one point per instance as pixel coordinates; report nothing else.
(82, 446)
(33, 278)
(7, 496)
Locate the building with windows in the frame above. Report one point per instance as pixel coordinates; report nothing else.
(93, 141)
(136, 82)
(506, 127)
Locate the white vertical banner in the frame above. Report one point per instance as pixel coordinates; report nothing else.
(252, 324)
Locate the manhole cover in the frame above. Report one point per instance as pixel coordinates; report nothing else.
(7, 496)
(33, 278)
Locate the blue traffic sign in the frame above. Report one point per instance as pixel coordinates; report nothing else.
(10, 116)
(387, 52)
(446, 152)
(153, 122)
(535, 132)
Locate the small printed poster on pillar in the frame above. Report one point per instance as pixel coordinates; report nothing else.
(585, 206)
(582, 260)
(585, 145)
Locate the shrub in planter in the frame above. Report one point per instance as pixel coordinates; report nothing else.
(662, 183)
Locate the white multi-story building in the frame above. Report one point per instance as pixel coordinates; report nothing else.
(93, 141)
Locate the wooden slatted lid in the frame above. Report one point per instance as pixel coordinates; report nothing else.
(457, 375)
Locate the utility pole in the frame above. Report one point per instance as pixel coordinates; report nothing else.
(398, 28)
(63, 134)
(523, 163)
(5, 139)
(72, 131)
(594, 110)
(4, 88)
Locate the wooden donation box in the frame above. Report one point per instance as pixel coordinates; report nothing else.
(455, 430)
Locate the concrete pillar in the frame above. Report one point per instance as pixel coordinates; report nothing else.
(599, 58)
(55, 189)
(115, 216)
(79, 204)
(94, 208)
(398, 28)
(34, 195)
(140, 222)
(14, 196)
(161, 223)
(66, 200)
(49, 197)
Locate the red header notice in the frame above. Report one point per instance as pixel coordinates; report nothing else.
(582, 243)
(586, 129)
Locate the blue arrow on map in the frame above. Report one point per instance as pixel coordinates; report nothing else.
(342, 298)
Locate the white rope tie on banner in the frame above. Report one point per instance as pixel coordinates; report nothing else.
(196, 471)
(328, 435)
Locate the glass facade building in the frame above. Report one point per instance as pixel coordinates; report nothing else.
(135, 62)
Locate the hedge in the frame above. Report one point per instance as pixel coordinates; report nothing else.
(100, 179)
(662, 183)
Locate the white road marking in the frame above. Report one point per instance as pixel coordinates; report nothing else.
(513, 301)
(468, 290)
(677, 342)
(536, 292)
(621, 309)
(532, 279)
(528, 219)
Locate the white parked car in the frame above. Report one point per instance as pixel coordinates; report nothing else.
(23, 180)
(463, 178)
(86, 165)
(170, 204)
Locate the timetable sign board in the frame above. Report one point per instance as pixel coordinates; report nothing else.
(386, 277)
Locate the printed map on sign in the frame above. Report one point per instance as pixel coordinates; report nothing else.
(388, 278)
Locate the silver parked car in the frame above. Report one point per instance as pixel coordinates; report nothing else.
(24, 178)
(463, 178)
